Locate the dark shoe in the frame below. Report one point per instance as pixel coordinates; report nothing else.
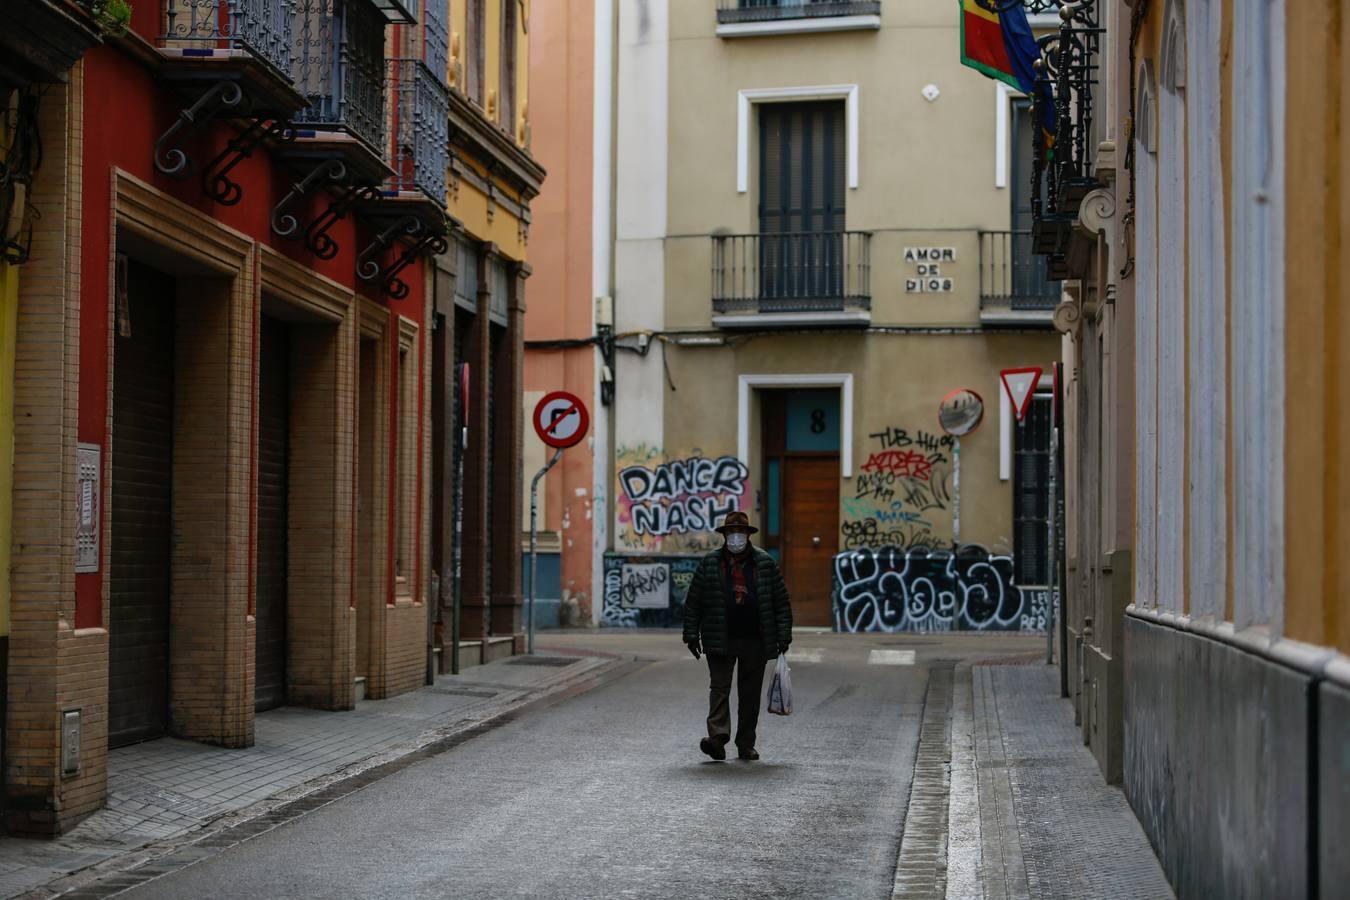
(749, 753)
(713, 748)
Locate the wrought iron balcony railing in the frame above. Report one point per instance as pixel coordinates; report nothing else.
(262, 28)
(421, 129)
(339, 66)
(771, 10)
(1011, 276)
(1062, 173)
(792, 272)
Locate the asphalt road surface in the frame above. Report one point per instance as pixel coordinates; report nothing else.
(606, 795)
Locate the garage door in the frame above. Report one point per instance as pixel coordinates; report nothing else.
(142, 513)
(273, 428)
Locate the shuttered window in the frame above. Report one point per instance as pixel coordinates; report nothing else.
(1031, 493)
(466, 281)
(507, 93)
(499, 283)
(475, 50)
(801, 199)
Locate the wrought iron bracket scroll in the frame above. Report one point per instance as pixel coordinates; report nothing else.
(429, 245)
(367, 264)
(216, 180)
(317, 239)
(170, 158)
(283, 222)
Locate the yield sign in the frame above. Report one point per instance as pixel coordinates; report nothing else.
(560, 419)
(1020, 384)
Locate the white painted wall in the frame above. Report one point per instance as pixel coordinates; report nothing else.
(640, 214)
(1258, 391)
(1207, 306)
(1146, 348)
(602, 207)
(1171, 324)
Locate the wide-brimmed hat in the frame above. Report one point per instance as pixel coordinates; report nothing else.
(736, 521)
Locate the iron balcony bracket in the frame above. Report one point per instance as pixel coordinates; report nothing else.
(216, 178)
(317, 238)
(429, 245)
(285, 224)
(367, 266)
(171, 158)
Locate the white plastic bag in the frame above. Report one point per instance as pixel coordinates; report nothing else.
(780, 689)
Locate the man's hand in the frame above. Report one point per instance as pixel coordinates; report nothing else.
(783, 647)
(694, 649)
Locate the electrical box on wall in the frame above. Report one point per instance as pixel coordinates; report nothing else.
(70, 741)
(89, 478)
(604, 311)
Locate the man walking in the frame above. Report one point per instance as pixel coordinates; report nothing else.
(738, 612)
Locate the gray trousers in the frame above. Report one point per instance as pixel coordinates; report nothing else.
(746, 657)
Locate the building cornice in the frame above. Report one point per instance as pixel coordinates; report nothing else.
(471, 132)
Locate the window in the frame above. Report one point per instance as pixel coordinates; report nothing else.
(475, 50)
(507, 92)
(802, 161)
(466, 281)
(1031, 493)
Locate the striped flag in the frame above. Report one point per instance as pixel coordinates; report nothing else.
(996, 40)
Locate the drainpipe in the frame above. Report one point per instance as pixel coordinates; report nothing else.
(602, 285)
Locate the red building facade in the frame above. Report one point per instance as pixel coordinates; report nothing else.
(222, 379)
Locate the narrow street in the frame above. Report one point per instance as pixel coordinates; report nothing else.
(606, 794)
(912, 766)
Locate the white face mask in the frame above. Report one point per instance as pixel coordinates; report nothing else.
(736, 541)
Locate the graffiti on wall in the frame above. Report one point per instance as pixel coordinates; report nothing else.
(673, 504)
(633, 587)
(924, 589)
(902, 493)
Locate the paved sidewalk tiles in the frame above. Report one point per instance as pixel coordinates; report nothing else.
(1036, 818)
(168, 787)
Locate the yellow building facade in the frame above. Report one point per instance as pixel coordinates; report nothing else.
(1207, 628)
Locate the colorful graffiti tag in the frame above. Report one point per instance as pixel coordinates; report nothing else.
(902, 494)
(631, 583)
(922, 589)
(673, 505)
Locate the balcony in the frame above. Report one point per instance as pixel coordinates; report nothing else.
(41, 40)
(754, 18)
(1014, 288)
(792, 279)
(420, 153)
(209, 29)
(339, 67)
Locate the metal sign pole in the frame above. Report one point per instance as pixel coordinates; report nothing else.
(1052, 566)
(459, 548)
(534, 542)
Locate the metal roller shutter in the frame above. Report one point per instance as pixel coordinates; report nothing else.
(273, 430)
(142, 513)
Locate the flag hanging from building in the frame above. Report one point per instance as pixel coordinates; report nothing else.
(996, 40)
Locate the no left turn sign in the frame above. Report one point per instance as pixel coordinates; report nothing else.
(560, 419)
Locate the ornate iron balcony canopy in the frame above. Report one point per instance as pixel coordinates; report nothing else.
(420, 152)
(1062, 170)
(339, 66)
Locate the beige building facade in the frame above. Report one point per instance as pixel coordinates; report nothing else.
(820, 232)
(1205, 260)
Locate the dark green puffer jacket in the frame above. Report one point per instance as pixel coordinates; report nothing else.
(705, 606)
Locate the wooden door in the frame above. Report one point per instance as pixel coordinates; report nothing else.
(810, 535)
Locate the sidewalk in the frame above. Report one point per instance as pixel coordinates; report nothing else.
(169, 788)
(1029, 813)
